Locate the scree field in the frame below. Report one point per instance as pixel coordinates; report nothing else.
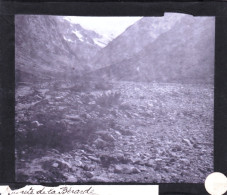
(115, 132)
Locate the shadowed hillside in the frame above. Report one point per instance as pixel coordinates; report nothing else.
(48, 45)
(134, 39)
(185, 53)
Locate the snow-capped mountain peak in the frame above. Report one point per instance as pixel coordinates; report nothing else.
(88, 36)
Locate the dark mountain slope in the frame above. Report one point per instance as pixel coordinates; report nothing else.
(183, 54)
(46, 45)
(134, 39)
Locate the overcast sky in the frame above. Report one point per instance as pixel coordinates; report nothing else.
(110, 26)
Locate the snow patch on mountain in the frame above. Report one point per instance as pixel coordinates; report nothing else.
(103, 40)
(79, 35)
(67, 39)
(99, 40)
(99, 43)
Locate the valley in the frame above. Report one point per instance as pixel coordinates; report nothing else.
(136, 108)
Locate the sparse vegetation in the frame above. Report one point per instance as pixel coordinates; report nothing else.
(107, 99)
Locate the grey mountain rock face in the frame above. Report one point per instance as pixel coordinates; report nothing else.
(134, 39)
(183, 53)
(51, 44)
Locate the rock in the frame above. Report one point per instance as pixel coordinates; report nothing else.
(92, 103)
(158, 167)
(99, 143)
(88, 174)
(135, 170)
(196, 146)
(61, 108)
(158, 160)
(140, 162)
(36, 124)
(172, 160)
(38, 97)
(48, 163)
(126, 132)
(136, 115)
(48, 97)
(85, 115)
(109, 138)
(107, 160)
(71, 179)
(73, 117)
(55, 165)
(100, 179)
(59, 97)
(89, 149)
(105, 135)
(122, 159)
(89, 167)
(150, 163)
(94, 158)
(114, 112)
(118, 169)
(78, 163)
(187, 142)
(185, 161)
(126, 169)
(178, 148)
(118, 133)
(143, 169)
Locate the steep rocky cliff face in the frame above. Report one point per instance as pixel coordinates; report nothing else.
(183, 53)
(49, 45)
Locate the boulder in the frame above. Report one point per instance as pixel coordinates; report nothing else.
(99, 143)
(126, 132)
(107, 160)
(55, 165)
(94, 159)
(100, 179)
(71, 179)
(36, 124)
(150, 163)
(89, 167)
(187, 142)
(73, 117)
(78, 163)
(126, 169)
(105, 135)
(88, 174)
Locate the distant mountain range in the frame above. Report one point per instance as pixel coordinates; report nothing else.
(174, 48)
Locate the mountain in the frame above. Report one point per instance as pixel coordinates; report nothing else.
(49, 45)
(184, 53)
(100, 39)
(134, 39)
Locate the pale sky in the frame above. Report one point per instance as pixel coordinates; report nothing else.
(109, 26)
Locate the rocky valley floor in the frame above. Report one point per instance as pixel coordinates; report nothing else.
(131, 132)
